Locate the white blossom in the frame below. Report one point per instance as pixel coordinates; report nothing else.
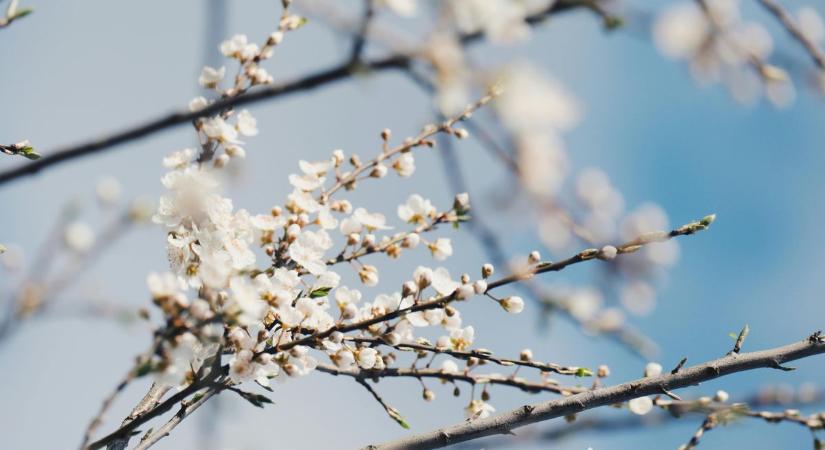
(210, 77)
(441, 249)
(416, 210)
(79, 237)
(404, 165)
(478, 409)
(308, 250)
(247, 125)
(653, 369)
(512, 304)
(640, 406)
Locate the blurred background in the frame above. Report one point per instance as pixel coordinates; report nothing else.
(75, 70)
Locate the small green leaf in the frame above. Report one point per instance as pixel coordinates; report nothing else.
(396, 416)
(320, 292)
(584, 372)
(19, 14)
(256, 399)
(144, 369)
(613, 22)
(733, 336)
(29, 153)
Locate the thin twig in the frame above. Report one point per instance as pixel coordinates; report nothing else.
(791, 26)
(185, 410)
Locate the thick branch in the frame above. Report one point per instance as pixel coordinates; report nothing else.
(528, 414)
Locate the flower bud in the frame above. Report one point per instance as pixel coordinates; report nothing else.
(512, 304)
(480, 287)
(653, 370)
(526, 355)
(534, 257)
(378, 171)
(487, 270)
(368, 275)
(608, 252)
(337, 157)
(411, 240)
(464, 292)
(408, 288)
(462, 202)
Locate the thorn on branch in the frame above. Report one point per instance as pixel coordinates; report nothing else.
(777, 365)
(679, 366)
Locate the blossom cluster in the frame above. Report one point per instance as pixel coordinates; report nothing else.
(264, 291)
(721, 46)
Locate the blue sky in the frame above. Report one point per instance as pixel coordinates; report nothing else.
(76, 70)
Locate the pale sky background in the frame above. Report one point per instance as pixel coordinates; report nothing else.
(74, 70)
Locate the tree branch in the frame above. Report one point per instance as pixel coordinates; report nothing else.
(528, 414)
(790, 25)
(333, 74)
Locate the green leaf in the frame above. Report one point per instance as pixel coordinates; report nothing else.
(584, 372)
(320, 292)
(733, 336)
(20, 13)
(256, 399)
(144, 369)
(29, 153)
(613, 22)
(396, 416)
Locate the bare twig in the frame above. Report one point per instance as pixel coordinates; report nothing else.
(708, 424)
(481, 354)
(465, 377)
(186, 409)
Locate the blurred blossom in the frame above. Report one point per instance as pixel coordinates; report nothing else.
(534, 101)
(554, 233)
(13, 258)
(405, 8)
(638, 297)
(108, 190)
(78, 237)
(720, 46)
(543, 162)
(811, 25)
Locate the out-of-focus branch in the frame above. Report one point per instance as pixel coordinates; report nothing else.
(791, 26)
(505, 423)
(673, 412)
(333, 74)
(13, 13)
(186, 409)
